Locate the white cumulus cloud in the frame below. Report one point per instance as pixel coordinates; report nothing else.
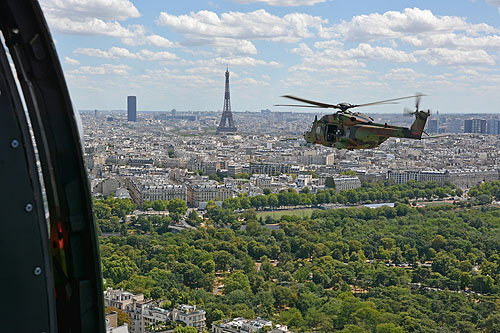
(393, 24)
(453, 40)
(495, 3)
(284, 3)
(71, 61)
(81, 9)
(236, 61)
(104, 69)
(258, 24)
(119, 52)
(100, 17)
(441, 56)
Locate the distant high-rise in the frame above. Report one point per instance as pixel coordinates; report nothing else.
(455, 126)
(492, 126)
(131, 108)
(475, 126)
(227, 116)
(432, 126)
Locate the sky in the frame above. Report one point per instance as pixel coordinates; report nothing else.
(173, 54)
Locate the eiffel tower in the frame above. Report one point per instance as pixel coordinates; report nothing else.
(227, 116)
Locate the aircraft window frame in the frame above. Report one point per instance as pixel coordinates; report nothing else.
(318, 130)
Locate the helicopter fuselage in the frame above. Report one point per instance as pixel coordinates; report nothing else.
(347, 130)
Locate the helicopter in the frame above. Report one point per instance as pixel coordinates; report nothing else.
(353, 130)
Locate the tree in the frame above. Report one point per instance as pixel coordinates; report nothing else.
(177, 208)
(484, 199)
(389, 328)
(292, 318)
(438, 242)
(138, 284)
(159, 205)
(118, 268)
(283, 296)
(193, 277)
(272, 200)
(185, 329)
(236, 281)
(147, 205)
(249, 215)
(208, 266)
(123, 317)
(482, 283)
(242, 175)
(222, 260)
(245, 202)
(193, 219)
(156, 293)
(101, 210)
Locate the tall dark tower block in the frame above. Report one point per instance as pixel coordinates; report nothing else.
(131, 108)
(226, 125)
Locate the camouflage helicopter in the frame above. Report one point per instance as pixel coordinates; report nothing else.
(353, 130)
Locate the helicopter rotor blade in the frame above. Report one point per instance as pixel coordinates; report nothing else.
(436, 136)
(300, 106)
(318, 104)
(387, 100)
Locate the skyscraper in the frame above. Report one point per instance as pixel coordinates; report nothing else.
(475, 126)
(131, 108)
(432, 126)
(492, 126)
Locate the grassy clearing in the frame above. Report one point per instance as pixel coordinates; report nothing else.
(436, 203)
(279, 213)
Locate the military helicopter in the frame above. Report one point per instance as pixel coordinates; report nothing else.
(353, 130)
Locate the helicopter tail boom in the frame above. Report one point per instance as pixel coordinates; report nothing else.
(417, 128)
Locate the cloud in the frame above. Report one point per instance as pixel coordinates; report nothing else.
(442, 56)
(258, 24)
(284, 3)
(394, 24)
(118, 53)
(329, 44)
(236, 61)
(160, 41)
(224, 46)
(334, 50)
(104, 69)
(166, 76)
(100, 17)
(251, 82)
(206, 70)
(83, 9)
(139, 38)
(452, 40)
(303, 50)
(495, 3)
(439, 40)
(402, 74)
(92, 26)
(71, 61)
(377, 53)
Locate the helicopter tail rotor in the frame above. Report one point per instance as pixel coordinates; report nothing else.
(407, 112)
(418, 97)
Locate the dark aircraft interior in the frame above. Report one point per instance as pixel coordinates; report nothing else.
(51, 275)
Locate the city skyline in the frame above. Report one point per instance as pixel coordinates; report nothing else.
(174, 55)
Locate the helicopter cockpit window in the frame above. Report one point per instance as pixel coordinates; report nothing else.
(318, 130)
